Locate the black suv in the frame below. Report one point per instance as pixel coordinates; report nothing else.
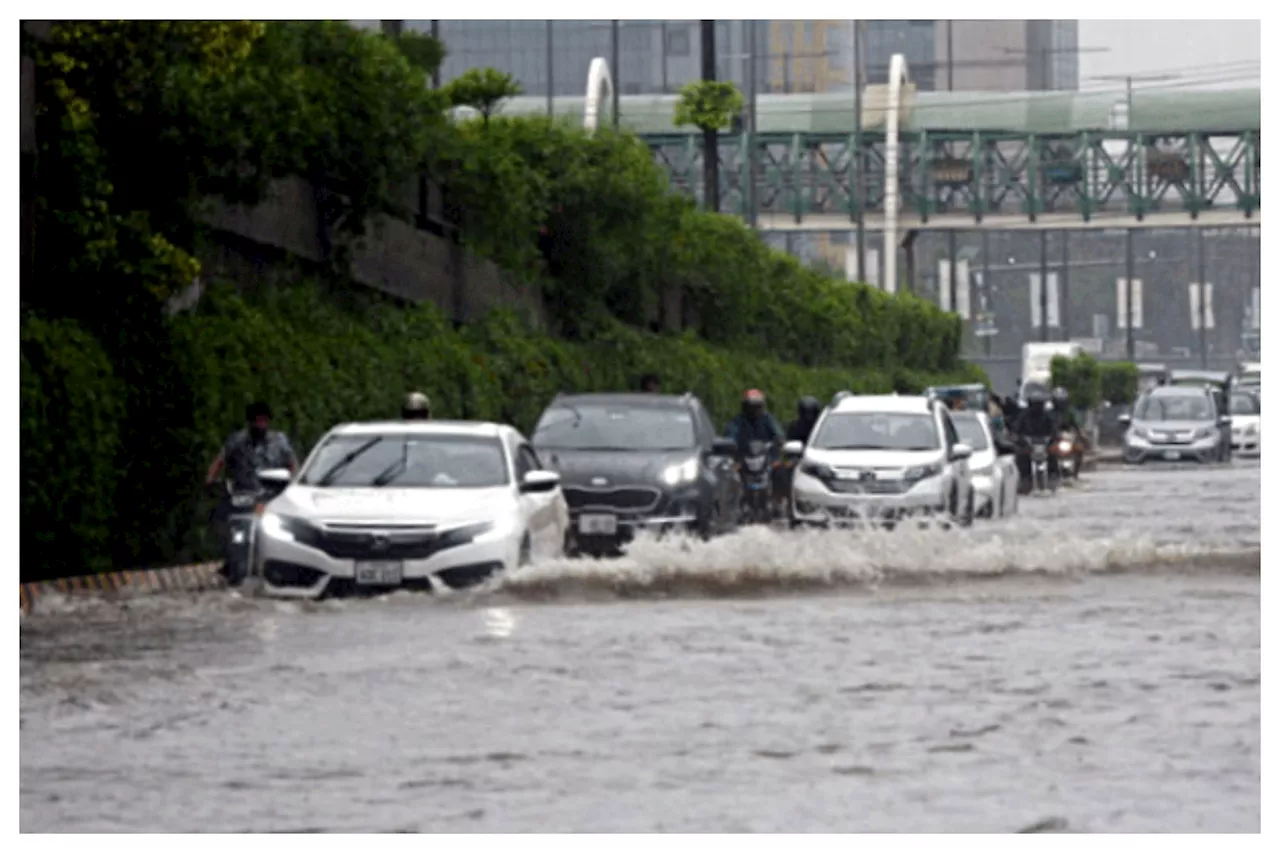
(632, 461)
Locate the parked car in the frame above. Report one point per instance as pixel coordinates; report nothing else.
(1175, 423)
(1246, 421)
(991, 468)
(880, 459)
(412, 504)
(632, 462)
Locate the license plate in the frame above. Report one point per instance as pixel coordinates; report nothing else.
(243, 501)
(598, 525)
(379, 572)
(1172, 455)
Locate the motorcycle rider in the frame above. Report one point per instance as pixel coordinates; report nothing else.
(753, 423)
(255, 448)
(801, 428)
(417, 407)
(1035, 422)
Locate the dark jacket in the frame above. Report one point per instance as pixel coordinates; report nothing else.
(1033, 424)
(745, 430)
(800, 429)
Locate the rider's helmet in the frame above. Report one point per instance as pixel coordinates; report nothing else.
(417, 407)
(1036, 397)
(808, 408)
(753, 402)
(1060, 398)
(258, 416)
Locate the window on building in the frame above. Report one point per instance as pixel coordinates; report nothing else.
(678, 41)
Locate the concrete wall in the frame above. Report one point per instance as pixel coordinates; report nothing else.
(394, 257)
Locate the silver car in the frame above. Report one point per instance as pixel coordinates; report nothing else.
(1176, 423)
(994, 473)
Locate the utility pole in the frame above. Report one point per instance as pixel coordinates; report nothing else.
(1044, 285)
(1128, 294)
(613, 70)
(551, 77)
(1204, 333)
(710, 152)
(752, 45)
(435, 74)
(859, 161)
(951, 60)
(1065, 293)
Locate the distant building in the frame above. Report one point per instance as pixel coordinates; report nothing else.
(792, 56)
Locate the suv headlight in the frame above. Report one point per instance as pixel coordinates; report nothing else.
(1251, 429)
(1205, 432)
(922, 472)
(818, 471)
(685, 472)
(1138, 432)
(279, 526)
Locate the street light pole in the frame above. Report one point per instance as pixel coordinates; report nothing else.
(1128, 294)
(752, 44)
(614, 74)
(1204, 333)
(858, 160)
(1044, 285)
(550, 72)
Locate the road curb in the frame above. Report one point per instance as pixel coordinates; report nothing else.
(196, 577)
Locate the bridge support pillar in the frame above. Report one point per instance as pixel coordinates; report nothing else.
(909, 249)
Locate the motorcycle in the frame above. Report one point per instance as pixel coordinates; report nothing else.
(1042, 478)
(1069, 451)
(756, 472)
(242, 509)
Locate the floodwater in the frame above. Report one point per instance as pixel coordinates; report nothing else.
(1091, 666)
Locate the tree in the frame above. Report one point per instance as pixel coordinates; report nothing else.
(710, 106)
(483, 90)
(423, 52)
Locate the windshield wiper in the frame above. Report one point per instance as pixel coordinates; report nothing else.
(342, 463)
(857, 447)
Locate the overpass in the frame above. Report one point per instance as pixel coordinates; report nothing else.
(969, 160)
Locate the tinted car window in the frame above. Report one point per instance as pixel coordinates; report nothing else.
(877, 431)
(971, 432)
(1244, 404)
(526, 461)
(1175, 407)
(408, 462)
(590, 426)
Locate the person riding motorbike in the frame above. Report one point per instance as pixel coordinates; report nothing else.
(753, 423)
(806, 418)
(1036, 421)
(255, 448)
(417, 407)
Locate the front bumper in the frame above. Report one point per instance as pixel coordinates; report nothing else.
(814, 502)
(1243, 442)
(1142, 450)
(601, 522)
(984, 493)
(291, 569)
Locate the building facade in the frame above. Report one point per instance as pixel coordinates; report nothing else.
(791, 56)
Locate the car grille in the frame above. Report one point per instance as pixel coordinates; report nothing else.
(629, 499)
(1166, 437)
(381, 543)
(869, 487)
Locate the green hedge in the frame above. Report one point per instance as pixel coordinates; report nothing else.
(320, 364)
(1119, 382)
(1080, 376)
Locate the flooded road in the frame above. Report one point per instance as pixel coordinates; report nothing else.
(1092, 665)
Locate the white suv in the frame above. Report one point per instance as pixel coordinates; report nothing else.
(881, 458)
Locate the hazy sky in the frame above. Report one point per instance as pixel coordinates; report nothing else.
(1221, 54)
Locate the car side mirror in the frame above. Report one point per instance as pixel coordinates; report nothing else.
(539, 481)
(1004, 448)
(275, 479)
(724, 447)
(793, 448)
(960, 452)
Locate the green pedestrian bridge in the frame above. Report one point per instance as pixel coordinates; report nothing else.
(968, 160)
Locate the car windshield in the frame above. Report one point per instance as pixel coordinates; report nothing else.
(1174, 407)
(877, 431)
(970, 432)
(1244, 404)
(407, 461)
(592, 426)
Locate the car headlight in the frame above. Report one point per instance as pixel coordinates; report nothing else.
(1138, 432)
(922, 472)
(1205, 432)
(1251, 429)
(483, 531)
(685, 472)
(984, 471)
(818, 471)
(279, 526)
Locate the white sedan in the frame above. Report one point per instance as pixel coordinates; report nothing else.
(995, 474)
(1246, 422)
(413, 504)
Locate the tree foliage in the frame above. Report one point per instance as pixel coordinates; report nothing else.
(1119, 382)
(708, 105)
(1081, 376)
(483, 90)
